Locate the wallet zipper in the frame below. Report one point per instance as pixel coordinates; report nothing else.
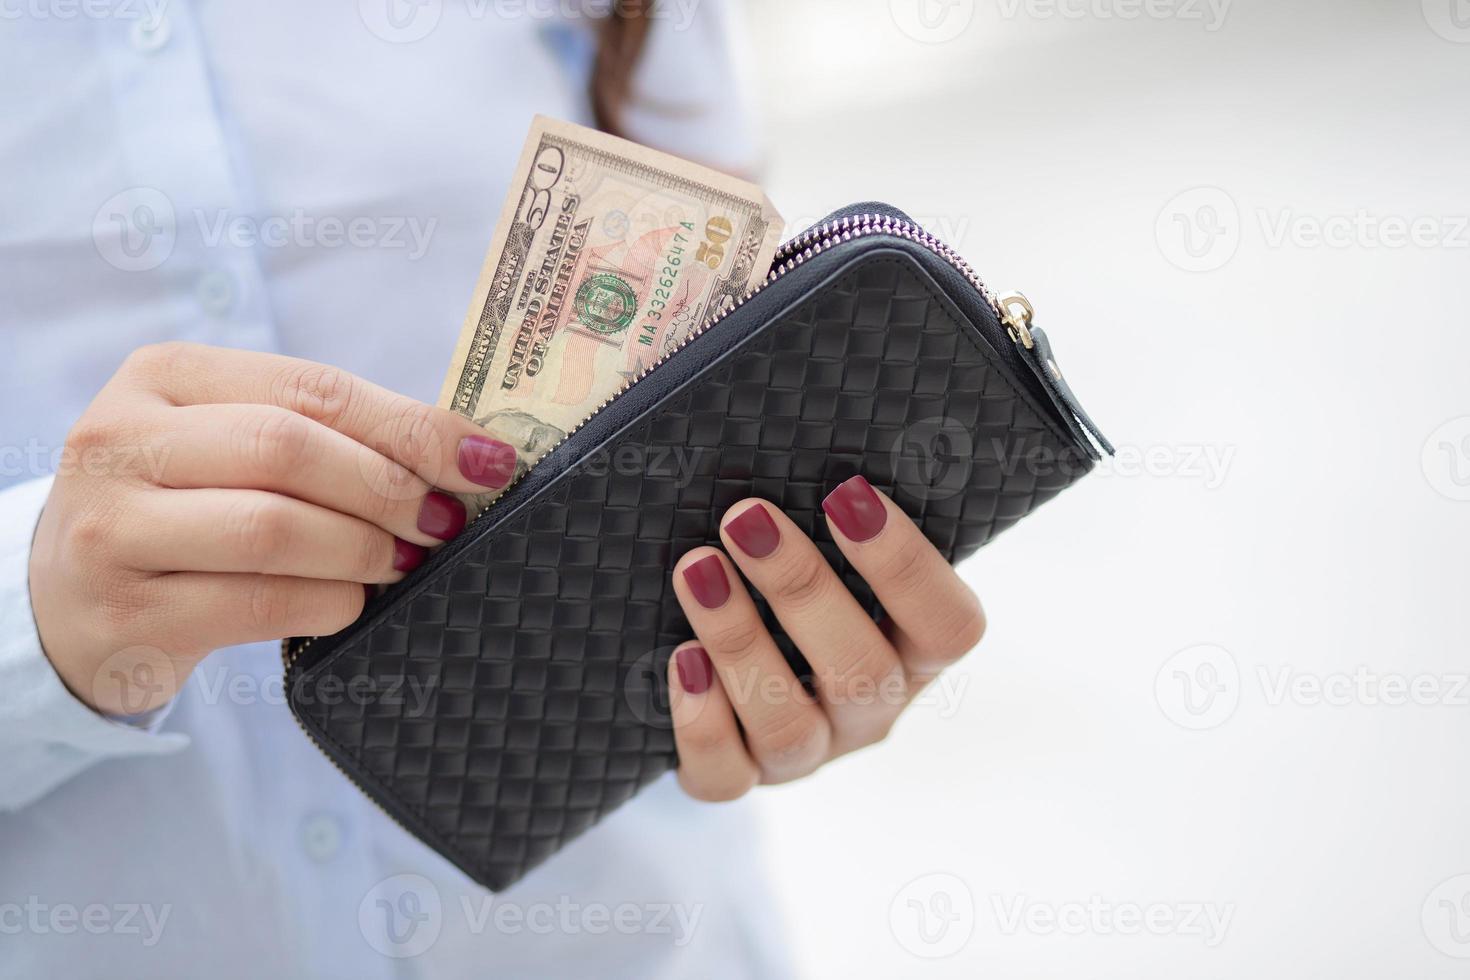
(1012, 310)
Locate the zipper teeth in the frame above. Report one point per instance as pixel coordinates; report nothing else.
(788, 257)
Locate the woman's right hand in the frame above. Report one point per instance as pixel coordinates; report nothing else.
(210, 497)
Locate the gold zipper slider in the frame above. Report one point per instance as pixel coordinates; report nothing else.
(1016, 313)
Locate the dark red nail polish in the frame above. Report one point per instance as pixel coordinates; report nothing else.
(407, 556)
(754, 531)
(441, 516)
(695, 670)
(706, 579)
(488, 462)
(856, 509)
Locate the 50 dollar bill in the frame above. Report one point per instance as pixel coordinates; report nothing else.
(607, 255)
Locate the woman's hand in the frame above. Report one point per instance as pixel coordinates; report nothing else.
(740, 715)
(210, 497)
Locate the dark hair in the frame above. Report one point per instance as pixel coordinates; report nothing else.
(621, 37)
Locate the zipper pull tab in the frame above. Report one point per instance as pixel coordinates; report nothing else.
(1016, 312)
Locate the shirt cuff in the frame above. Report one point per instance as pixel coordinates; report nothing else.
(47, 735)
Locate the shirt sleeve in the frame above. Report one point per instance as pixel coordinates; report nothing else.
(47, 735)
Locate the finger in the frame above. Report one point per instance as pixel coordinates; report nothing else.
(210, 610)
(713, 762)
(264, 533)
(265, 447)
(857, 672)
(935, 617)
(445, 449)
(787, 732)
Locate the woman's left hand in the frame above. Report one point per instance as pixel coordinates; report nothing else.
(865, 673)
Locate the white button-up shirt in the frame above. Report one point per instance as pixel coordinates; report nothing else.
(320, 180)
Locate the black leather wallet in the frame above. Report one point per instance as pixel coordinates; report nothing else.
(511, 691)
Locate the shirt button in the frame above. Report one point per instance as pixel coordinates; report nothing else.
(215, 291)
(150, 33)
(321, 837)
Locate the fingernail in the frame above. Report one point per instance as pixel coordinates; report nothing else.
(754, 531)
(706, 579)
(441, 516)
(488, 462)
(407, 556)
(695, 670)
(856, 509)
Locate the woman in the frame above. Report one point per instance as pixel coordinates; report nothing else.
(302, 195)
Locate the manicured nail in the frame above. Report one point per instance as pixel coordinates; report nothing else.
(856, 509)
(441, 516)
(488, 462)
(407, 556)
(695, 670)
(706, 579)
(754, 531)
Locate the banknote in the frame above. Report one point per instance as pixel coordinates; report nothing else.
(607, 255)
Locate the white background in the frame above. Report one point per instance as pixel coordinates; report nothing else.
(1319, 801)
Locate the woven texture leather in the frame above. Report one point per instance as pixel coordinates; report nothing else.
(543, 648)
